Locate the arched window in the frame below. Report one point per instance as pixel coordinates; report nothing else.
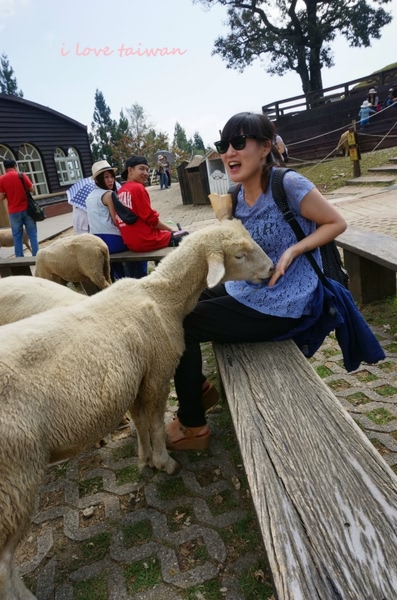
(5, 154)
(68, 167)
(29, 162)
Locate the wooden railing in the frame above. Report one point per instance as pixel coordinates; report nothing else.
(335, 93)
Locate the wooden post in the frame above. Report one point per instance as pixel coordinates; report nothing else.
(354, 150)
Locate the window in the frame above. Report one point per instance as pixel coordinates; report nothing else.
(29, 162)
(68, 167)
(5, 154)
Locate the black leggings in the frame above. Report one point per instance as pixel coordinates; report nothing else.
(217, 317)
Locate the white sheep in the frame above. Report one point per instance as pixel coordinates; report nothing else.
(80, 368)
(7, 239)
(76, 259)
(22, 296)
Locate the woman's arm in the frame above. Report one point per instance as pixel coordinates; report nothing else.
(107, 201)
(330, 224)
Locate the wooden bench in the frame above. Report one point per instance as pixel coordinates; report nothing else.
(325, 500)
(21, 265)
(370, 258)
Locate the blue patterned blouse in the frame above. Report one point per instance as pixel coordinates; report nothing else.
(293, 292)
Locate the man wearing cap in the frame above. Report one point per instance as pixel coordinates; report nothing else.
(148, 232)
(12, 189)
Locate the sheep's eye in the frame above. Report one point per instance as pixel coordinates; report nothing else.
(239, 256)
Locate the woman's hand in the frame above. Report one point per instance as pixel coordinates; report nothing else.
(285, 260)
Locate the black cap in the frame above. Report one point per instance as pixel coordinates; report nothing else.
(133, 161)
(9, 163)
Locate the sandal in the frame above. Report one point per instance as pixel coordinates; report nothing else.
(210, 395)
(194, 438)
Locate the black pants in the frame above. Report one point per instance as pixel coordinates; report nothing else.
(217, 317)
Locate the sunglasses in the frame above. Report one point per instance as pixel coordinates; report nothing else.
(238, 143)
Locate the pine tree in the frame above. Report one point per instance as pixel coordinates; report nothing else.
(8, 82)
(198, 142)
(104, 130)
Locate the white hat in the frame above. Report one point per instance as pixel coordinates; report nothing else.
(365, 104)
(100, 166)
(372, 91)
(161, 156)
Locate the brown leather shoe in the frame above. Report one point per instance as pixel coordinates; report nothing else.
(210, 395)
(179, 437)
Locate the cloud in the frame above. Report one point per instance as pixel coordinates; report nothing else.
(9, 8)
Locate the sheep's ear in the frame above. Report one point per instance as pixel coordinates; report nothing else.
(216, 270)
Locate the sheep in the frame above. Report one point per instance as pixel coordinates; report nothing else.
(22, 296)
(343, 145)
(76, 259)
(80, 368)
(7, 240)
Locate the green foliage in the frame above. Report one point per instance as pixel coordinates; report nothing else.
(295, 36)
(142, 575)
(104, 130)
(8, 82)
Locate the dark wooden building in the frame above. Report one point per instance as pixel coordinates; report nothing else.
(312, 124)
(51, 148)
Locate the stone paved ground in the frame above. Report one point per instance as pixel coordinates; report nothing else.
(101, 530)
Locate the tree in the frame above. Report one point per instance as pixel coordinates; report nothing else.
(139, 137)
(8, 82)
(180, 140)
(198, 142)
(295, 35)
(103, 131)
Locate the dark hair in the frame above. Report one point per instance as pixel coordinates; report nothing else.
(100, 180)
(9, 163)
(263, 129)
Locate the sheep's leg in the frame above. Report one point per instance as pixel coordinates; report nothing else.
(155, 397)
(11, 584)
(22, 468)
(144, 448)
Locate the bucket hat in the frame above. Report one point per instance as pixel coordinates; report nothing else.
(372, 91)
(365, 104)
(100, 166)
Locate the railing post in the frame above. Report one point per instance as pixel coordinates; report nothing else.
(354, 149)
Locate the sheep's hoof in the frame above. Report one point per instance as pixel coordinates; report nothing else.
(102, 442)
(171, 467)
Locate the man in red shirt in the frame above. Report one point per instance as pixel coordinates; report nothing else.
(148, 232)
(12, 189)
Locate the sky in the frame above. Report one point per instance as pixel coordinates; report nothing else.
(61, 52)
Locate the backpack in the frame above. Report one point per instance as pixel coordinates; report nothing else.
(332, 263)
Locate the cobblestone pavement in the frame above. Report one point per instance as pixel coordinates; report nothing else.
(101, 530)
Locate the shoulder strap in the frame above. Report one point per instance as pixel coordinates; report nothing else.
(234, 190)
(20, 175)
(280, 198)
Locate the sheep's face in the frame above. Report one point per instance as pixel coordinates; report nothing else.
(239, 257)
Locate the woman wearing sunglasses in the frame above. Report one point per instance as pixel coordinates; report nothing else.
(240, 311)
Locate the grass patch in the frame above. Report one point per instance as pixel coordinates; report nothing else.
(223, 502)
(137, 533)
(323, 371)
(210, 590)
(358, 398)
(142, 575)
(338, 385)
(128, 475)
(328, 352)
(94, 589)
(392, 348)
(242, 536)
(181, 517)
(96, 548)
(365, 376)
(386, 390)
(255, 585)
(333, 174)
(126, 451)
(380, 416)
(172, 488)
(387, 366)
(382, 313)
(90, 486)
